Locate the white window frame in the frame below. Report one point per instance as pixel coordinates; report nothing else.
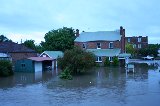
(129, 39)
(111, 59)
(84, 46)
(139, 39)
(139, 46)
(98, 45)
(111, 43)
(134, 46)
(98, 59)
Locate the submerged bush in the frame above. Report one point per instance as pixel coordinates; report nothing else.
(66, 74)
(5, 68)
(77, 60)
(115, 61)
(107, 62)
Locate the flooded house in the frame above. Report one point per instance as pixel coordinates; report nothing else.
(104, 44)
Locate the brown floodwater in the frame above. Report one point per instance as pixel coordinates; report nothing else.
(99, 87)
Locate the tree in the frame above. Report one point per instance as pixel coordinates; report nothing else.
(30, 44)
(4, 39)
(60, 39)
(130, 49)
(152, 49)
(76, 60)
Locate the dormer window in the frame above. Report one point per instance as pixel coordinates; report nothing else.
(84, 45)
(111, 45)
(98, 45)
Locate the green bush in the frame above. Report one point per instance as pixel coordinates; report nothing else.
(115, 61)
(5, 68)
(77, 60)
(107, 62)
(66, 74)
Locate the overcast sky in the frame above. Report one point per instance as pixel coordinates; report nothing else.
(31, 19)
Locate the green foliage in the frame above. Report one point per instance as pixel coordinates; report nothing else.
(4, 39)
(66, 74)
(152, 50)
(130, 49)
(77, 60)
(107, 62)
(60, 39)
(115, 61)
(5, 68)
(30, 44)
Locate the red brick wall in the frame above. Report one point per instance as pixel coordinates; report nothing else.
(104, 44)
(19, 56)
(134, 40)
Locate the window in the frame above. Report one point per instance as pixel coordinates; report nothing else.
(111, 45)
(139, 46)
(23, 65)
(99, 59)
(84, 45)
(111, 59)
(139, 39)
(44, 55)
(98, 45)
(134, 45)
(129, 40)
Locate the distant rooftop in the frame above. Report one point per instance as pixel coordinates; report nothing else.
(10, 47)
(98, 36)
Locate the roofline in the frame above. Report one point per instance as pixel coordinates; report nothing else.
(45, 53)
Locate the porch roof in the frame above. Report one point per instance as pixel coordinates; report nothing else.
(40, 59)
(105, 52)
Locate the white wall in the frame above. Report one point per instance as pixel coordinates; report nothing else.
(38, 66)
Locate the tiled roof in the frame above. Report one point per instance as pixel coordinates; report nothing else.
(53, 54)
(105, 52)
(10, 47)
(99, 36)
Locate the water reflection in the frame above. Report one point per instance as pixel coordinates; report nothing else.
(23, 79)
(99, 87)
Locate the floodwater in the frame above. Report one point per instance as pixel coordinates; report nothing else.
(99, 87)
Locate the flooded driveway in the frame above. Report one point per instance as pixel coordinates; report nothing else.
(99, 87)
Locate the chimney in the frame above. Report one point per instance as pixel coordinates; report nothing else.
(121, 30)
(77, 33)
(122, 33)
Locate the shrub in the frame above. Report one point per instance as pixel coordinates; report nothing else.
(66, 74)
(107, 62)
(5, 68)
(115, 61)
(77, 60)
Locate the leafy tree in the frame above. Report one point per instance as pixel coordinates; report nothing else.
(4, 39)
(60, 39)
(77, 60)
(30, 44)
(130, 49)
(152, 50)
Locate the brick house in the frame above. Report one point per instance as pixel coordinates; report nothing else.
(16, 51)
(138, 42)
(102, 43)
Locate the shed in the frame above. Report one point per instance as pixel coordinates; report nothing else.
(53, 55)
(32, 64)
